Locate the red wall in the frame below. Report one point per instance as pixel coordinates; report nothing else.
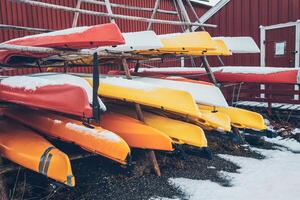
(237, 18)
(243, 18)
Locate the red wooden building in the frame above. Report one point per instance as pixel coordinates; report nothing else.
(235, 18)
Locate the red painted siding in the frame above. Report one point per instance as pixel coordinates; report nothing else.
(243, 18)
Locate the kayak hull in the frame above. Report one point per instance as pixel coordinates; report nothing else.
(240, 118)
(60, 98)
(136, 133)
(180, 132)
(28, 149)
(94, 139)
(74, 38)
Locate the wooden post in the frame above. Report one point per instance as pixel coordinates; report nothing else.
(140, 116)
(209, 71)
(76, 15)
(157, 2)
(3, 192)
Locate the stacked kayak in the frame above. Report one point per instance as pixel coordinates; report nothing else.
(236, 74)
(156, 96)
(92, 138)
(73, 38)
(26, 148)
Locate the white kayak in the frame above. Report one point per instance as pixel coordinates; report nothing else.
(136, 41)
(240, 44)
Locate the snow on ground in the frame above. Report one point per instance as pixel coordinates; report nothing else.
(277, 177)
(289, 143)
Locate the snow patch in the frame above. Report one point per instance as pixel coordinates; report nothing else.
(121, 82)
(105, 134)
(277, 177)
(211, 167)
(289, 143)
(28, 83)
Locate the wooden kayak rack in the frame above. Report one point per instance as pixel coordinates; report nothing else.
(69, 56)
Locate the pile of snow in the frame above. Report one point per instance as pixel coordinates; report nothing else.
(289, 143)
(171, 69)
(104, 134)
(28, 83)
(276, 177)
(57, 121)
(122, 82)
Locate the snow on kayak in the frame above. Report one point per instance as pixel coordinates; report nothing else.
(58, 92)
(73, 38)
(202, 93)
(134, 41)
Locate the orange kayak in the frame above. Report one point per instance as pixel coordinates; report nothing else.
(28, 149)
(92, 138)
(136, 133)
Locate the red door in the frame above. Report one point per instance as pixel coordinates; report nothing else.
(280, 47)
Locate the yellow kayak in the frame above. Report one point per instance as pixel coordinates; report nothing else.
(180, 132)
(183, 42)
(30, 150)
(176, 101)
(240, 118)
(91, 138)
(220, 50)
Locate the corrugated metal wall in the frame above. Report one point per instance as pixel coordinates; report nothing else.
(243, 18)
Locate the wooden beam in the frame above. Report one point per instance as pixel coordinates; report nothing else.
(131, 7)
(156, 5)
(22, 28)
(209, 71)
(76, 15)
(116, 16)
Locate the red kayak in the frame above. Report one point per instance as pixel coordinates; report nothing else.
(63, 98)
(230, 74)
(73, 38)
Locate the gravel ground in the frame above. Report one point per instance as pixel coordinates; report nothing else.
(99, 178)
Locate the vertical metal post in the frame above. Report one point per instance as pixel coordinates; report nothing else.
(76, 15)
(157, 2)
(109, 10)
(96, 105)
